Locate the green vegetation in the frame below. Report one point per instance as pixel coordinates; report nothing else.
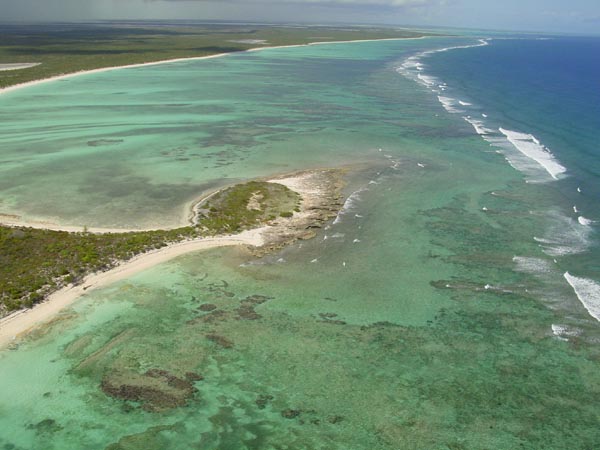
(68, 48)
(34, 263)
(246, 205)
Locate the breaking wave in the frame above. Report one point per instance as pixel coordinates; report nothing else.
(588, 293)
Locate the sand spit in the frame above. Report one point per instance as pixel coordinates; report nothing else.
(17, 66)
(321, 200)
(175, 60)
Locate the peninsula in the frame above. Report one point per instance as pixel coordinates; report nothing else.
(55, 267)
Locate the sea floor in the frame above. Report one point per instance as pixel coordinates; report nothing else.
(404, 324)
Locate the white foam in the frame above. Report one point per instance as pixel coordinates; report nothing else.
(427, 80)
(583, 221)
(413, 67)
(533, 149)
(449, 104)
(479, 126)
(588, 293)
(564, 331)
(533, 266)
(530, 157)
(349, 204)
(566, 236)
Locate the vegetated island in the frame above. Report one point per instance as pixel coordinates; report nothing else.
(59, 266)
(51, 50)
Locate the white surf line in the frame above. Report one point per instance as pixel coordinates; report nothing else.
(588, 293)
(191, 58)
(24, 321)
(531, 147)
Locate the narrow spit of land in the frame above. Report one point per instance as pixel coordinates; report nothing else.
(53, 268)
(63, 49)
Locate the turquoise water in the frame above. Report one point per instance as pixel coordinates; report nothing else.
(407, 323)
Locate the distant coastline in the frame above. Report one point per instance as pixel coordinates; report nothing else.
(191, 58)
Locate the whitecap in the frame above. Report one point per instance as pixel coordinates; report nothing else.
(531, 147)
(561, 331)
(583, 221)
(564, 236)
(414, 64)
(427, 80)
(588, 293)
(479, 126)
(533, 266)
(349, 204)
(449, 104)
(465, 103)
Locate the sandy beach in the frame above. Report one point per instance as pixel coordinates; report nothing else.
(317, 188)
(175, 60)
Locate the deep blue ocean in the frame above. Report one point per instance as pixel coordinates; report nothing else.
(536, 100)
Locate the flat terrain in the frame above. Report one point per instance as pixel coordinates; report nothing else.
(68, 48)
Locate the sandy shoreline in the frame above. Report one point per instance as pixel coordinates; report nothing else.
(22, 322)
(175, 60)
(317, 188)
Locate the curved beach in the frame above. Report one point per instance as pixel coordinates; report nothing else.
(319, 190)
(191, 58)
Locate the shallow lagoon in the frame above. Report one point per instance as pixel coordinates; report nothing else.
(379, 333)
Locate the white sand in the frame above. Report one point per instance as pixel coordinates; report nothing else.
(168, 61)
(23, 322)
(17, 66)
(13, 221)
